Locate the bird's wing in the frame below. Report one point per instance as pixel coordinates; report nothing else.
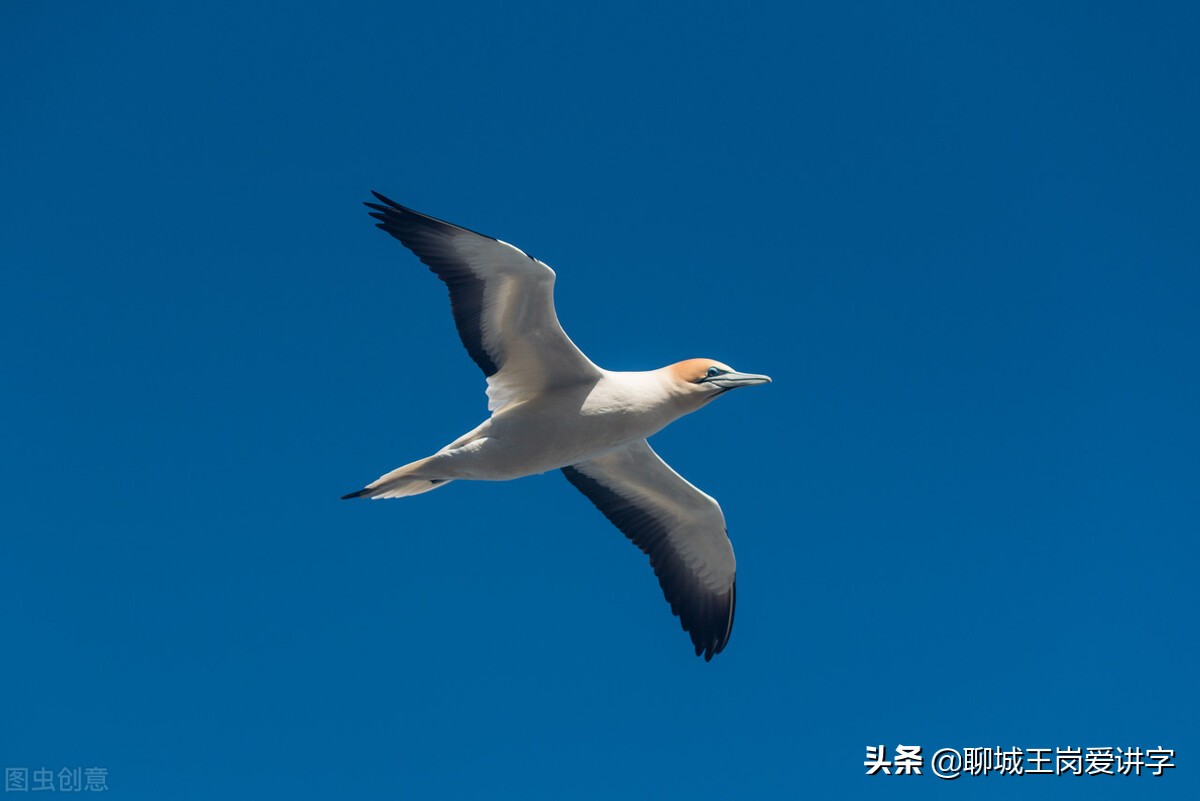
(679, 527)
(503, 304)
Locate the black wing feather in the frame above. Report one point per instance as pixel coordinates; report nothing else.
(705, 615)
(432, 240)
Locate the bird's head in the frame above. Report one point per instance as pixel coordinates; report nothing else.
(702, 380)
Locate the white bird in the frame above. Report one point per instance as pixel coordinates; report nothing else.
(552, 408)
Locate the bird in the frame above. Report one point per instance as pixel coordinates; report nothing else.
(552, 408)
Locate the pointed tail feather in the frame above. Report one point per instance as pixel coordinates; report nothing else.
(398, 488)
(400, 483)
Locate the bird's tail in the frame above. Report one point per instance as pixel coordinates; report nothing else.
(400, 483)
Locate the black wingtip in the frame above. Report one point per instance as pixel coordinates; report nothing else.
(386, 199)
(358, 494)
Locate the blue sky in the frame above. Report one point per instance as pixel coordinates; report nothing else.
(963, 241)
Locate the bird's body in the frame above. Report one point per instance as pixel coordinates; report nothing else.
(559, 427)
(552, 408)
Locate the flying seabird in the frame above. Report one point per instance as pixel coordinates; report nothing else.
(552, 408)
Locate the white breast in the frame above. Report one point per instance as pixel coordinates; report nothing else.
(571, 424)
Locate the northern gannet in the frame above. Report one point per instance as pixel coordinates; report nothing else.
(552, 409)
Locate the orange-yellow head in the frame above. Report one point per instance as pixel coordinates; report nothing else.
(705, 379)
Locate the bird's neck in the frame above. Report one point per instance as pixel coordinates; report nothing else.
(649, 393)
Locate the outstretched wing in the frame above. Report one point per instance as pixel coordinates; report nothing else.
(679, 527)
(503, 304)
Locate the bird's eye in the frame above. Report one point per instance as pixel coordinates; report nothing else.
(714, 372)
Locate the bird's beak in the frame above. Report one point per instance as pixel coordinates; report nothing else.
(734, 380)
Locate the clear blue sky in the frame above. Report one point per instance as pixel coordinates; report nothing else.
(964, 242)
